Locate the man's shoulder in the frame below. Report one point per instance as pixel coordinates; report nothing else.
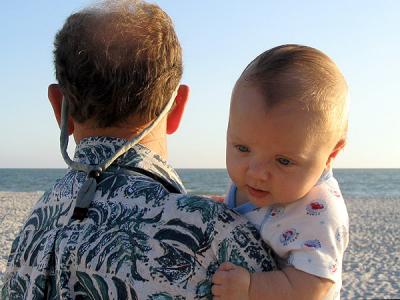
(208, 210)
(189, 202)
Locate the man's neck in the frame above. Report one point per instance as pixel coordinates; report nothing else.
(154, 140)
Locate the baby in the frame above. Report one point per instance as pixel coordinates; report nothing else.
(287, 123)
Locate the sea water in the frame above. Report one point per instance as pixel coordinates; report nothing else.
(354, 183)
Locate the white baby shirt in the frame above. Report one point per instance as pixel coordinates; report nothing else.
(310, 234)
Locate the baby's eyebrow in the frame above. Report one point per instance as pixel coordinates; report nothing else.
(232, 135)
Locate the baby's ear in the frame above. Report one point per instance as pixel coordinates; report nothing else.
(339, 146)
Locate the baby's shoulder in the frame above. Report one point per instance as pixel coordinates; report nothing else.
(325, 196)
(324, 202)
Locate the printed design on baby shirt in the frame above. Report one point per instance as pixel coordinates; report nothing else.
(316, 207)
(333, 266)
(276, 211)
(312, 244)
(289, 236)
(336, 193)
(341, 233)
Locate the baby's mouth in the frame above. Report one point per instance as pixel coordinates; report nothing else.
(256, 193)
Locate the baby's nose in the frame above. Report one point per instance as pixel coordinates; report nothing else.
(259, 171)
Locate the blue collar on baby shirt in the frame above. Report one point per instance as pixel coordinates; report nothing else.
(231, 202)
(247, 207)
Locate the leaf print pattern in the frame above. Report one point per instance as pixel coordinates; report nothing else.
(176, 265)
(147, 188)
(189, 235)
(107, 251)
(95, 287)
(17, 287)
(203, 290)
(65, 186)
(138, 241)
(110, 184)
(207, 208)
(164, 296)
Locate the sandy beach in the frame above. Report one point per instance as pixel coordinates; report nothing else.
(371, 265)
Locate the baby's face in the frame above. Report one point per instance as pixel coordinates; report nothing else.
(271, 157)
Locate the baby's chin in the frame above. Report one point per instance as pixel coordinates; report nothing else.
(264, 201)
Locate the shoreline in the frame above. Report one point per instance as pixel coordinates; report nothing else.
(371, 266)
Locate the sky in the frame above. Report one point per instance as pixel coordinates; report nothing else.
(219, 38)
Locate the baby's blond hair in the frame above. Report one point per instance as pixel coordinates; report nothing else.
(303, 75)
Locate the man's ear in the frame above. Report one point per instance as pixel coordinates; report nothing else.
(175, 115)
(56, 97)
(339, 146)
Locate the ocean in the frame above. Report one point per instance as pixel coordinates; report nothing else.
(354, 183)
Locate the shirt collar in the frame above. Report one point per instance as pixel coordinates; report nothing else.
(95, 150)
(326, 175)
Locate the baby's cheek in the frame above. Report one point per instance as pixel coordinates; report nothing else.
(295, 190)
(235, 170)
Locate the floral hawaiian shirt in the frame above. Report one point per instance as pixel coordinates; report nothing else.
(143, 237)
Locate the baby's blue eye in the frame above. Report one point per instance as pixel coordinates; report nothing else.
(242, 148)
(284, 161)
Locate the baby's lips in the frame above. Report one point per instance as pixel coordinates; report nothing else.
(256, 192)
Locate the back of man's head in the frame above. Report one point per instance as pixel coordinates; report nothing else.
(116, 60)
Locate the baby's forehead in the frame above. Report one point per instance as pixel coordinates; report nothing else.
(288, 120)
(251, 104)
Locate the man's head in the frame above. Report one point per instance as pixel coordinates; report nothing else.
(117, 60)
(288, 120)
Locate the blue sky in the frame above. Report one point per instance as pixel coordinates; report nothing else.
(219, 38)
